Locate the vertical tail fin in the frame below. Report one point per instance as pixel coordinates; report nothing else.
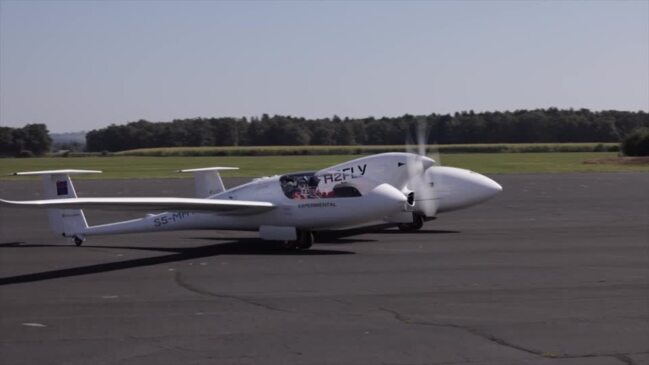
(58, 185)
(208, 180)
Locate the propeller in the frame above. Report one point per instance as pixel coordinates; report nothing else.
(420, 164)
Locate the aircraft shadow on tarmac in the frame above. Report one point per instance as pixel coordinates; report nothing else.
(246, 246)
(231, 247)
(325, 239)
(429, 231)
(334, 236)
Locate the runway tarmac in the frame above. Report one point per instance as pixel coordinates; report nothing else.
(555, 270)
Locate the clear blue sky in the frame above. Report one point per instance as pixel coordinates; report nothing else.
(79, 65)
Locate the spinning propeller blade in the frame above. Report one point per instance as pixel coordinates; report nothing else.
(418, 165)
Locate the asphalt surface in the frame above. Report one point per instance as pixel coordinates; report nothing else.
(555, 270)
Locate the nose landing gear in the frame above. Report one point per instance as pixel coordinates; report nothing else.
(417, 223)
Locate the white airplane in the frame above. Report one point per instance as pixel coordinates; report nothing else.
(404, 189)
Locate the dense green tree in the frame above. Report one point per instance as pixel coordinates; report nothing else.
(539, 125)
(225, 131)
(323, 134)
(38, 138)
(637, 143)
(6, 141)
(32, 139)
(344, 134)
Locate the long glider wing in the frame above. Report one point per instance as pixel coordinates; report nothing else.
(148, 204)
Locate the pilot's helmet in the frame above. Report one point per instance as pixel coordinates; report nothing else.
(313, 181)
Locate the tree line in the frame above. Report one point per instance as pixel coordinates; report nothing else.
(522, 126)
(32, 139)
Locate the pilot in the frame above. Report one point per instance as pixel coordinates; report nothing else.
(288, 186)
(313, 187)
(302, 187)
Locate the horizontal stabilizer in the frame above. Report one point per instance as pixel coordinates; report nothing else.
(58, 185)
(207, 180)
(56, 172)
(149, 204)
(209, 169)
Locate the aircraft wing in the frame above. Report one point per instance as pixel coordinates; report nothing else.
(149, 204)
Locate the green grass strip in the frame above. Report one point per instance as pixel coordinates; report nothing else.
(133, 167)
(358, 150)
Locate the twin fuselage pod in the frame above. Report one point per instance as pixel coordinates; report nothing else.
(362, 192)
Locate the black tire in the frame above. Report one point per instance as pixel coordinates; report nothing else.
(304, 240)
(288, 245)
(417, 223)
(78, 241)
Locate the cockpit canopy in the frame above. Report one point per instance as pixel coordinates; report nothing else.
(308, 185)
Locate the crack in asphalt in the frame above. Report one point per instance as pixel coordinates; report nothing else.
(401, 318)
(178, 278)
(625, 359)
(622, 357)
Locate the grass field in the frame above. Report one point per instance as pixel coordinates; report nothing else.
(129, 167)
(357, 150)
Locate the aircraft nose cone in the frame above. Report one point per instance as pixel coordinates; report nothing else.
(460, 188)
(491, 187)
(484, 187)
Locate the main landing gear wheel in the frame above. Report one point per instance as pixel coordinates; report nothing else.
(417, 223)
(304, 241)
(78, 241)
